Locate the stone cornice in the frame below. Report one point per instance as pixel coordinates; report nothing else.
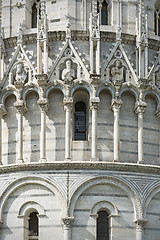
(87, 165)
(80, 35)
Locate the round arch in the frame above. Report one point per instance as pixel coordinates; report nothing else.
(52, 88)
(7, 94)
(28, 90)
(107, 180)
(131, 90)
(83, 87)
(27, 206)
(20, 182)
(150, 196)
(104, 88)
(154, 94)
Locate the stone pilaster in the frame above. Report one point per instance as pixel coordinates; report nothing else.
(140, 107)
(115, 106)
(43, 105)
(20, 106)
(67, 222)
(68, 105)
(140, 223)
(94, 103)
(2, 113)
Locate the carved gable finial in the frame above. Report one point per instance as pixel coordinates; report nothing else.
(20, 35)
(68, 30)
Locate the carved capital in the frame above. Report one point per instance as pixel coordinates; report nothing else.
(140, 223)
(20, 106)
(116, 104)
(140, 107)
(41, 79)
(67, 221)
(2, 110)
(43, 104)
(95, 78)
(94, 103)
(143, 83)
(68, 103)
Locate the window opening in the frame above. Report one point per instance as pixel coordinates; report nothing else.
(102, 226)
(80, 121)
(104, 13)
(157, 22)
(33, 226)
(102, 9)
(34, 14)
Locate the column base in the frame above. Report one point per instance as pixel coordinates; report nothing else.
(116, 160)
(20, 161)
(43, 160)
(68, 159)
(94, 159)
(140, 162)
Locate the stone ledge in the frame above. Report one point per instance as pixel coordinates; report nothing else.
(80, 35)
(114, 166)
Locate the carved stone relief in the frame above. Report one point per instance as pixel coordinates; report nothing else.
(157, 75)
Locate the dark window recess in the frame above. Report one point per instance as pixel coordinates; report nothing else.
(33, 224)
(104, 13)
(34, 15)
(102, 226)
(80, 121)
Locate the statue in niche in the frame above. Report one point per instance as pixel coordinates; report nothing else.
(21, 74)
(158, 78)
(68, 74)
(117, 72)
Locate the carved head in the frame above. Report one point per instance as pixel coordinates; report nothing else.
(68, 64)
(117, 63)
(19, 68)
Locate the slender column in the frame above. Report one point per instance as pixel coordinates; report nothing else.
(94, 107)
(98, 57)
(39, 57)
(68, 102)
(140, 107)
(43, 105)
(116, 104)
(2, 112)
(140, 223)
(20, 109)
(67, 222)
(45, 56)
(91, 56)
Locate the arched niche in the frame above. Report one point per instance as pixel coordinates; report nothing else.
(128, 128)
(9, 131)
(105, 127)
(26, 196)
(151, 131)
(152, 213)
(32, 127)
(81, 147)
(55, 126)
(100, 195)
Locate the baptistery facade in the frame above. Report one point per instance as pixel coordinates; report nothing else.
(80, 119)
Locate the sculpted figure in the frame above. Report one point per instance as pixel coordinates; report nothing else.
(21, 74)
(117, 72)
(158, 78)
(68, 74)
